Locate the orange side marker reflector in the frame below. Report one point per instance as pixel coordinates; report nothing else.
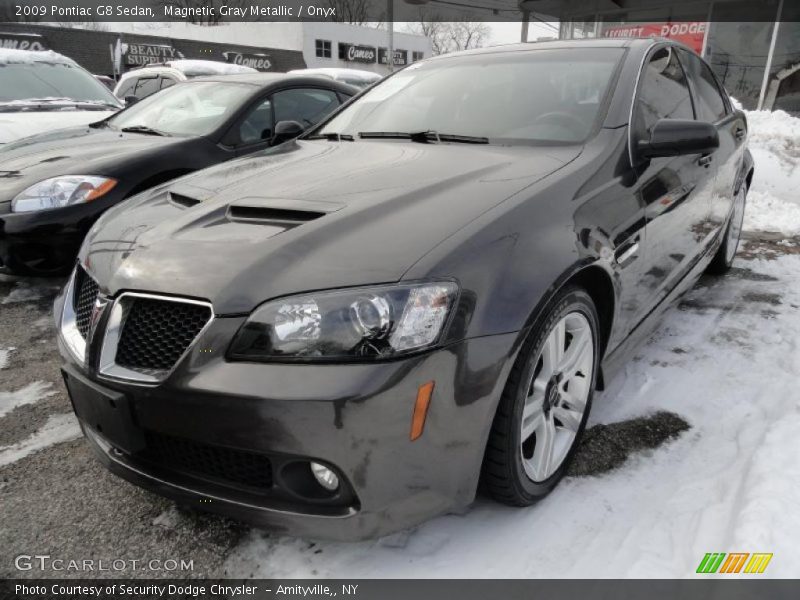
(421, 409)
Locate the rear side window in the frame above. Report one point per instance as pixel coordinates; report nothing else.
(167, 82)
(305, 105)
(663, 93)
(710, 104)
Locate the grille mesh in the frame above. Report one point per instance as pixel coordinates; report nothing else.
(157, 332)
(85, 294)
(225, 465)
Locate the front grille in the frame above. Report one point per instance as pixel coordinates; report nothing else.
(224, 465)
(85, 294)
(156, 333)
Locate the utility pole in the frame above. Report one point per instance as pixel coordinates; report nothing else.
(390, 26)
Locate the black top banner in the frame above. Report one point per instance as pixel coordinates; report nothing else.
(363, 11)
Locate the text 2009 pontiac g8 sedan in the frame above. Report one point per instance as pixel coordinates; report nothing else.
(344, 335)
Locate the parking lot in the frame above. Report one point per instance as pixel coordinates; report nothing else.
(680, 453)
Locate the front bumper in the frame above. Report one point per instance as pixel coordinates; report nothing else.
(354, 418)
(46, 242)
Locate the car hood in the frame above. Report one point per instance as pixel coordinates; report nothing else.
(308, 215)
(17, 125)
(75, 151)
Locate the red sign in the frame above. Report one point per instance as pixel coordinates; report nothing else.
(691, 33)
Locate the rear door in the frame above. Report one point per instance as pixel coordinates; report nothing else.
(675, 191)
(713, 106)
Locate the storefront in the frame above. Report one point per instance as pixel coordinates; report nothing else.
(757, 59)
(98, 51)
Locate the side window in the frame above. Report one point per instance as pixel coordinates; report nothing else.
(663, 93)
(167, 82)
(126, 89)
(710, 104)
(257, 126)
(146, 86)
(307, 106)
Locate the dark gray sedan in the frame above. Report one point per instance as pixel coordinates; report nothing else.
(346, 334)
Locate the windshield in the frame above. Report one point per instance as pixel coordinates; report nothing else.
(548, 96)
(189, 109)
(37, 81)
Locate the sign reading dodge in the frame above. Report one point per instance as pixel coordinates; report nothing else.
(353, 53)
(22, 41)
(144, 54)
(259, 62)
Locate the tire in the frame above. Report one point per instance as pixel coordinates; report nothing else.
(723, 259)
(517, 471)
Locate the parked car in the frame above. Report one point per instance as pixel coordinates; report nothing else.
(355, 77)
(54, 186)
(42, 91)
(144, 81)
(344, 335)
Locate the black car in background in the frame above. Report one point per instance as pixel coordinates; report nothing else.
(342, 336)
(53, 186)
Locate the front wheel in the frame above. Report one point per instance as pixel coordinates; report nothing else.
(545, 404)
(723, 259)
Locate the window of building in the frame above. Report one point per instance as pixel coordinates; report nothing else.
(664, 92)
(415, 56)
(323, 48)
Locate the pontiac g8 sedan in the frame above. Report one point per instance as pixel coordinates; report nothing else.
(346, 334)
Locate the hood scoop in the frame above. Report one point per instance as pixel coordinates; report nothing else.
(279, 211)
(181, 200)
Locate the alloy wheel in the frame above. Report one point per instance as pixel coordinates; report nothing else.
(557, 394)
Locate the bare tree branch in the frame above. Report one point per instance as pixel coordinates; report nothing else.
(449, 36)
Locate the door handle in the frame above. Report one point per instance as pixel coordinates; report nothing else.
(739, 133)
(705, 161)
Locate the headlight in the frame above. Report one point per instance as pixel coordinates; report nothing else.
(357, 325)
(62, 191)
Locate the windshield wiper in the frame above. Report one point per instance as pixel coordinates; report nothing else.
(143, 129)
(424, 137)
(332, 137)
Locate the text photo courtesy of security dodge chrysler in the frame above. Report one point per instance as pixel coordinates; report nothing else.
(354, 331)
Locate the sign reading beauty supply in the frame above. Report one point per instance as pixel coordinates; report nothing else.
(400, 57)
(22, 41)
(144, 54)
(691, 33)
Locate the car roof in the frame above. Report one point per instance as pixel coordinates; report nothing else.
(263, 80)
(603, 42)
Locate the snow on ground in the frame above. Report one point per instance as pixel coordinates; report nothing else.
(57, 429)
(25, 290)
(30, 394)
(774, 199)
(727, 360)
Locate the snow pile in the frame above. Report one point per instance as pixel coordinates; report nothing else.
(4, 354)
(9, 56)
(57, 429)
(773, 200)
(31, 393)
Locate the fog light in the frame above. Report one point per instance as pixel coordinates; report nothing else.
(325, 477)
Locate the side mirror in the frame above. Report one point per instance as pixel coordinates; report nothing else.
(130, 101)
(677, 137)
(286, 130)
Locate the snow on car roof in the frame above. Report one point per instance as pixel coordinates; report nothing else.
(195, 68)
(334, 72)
(9, 56)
